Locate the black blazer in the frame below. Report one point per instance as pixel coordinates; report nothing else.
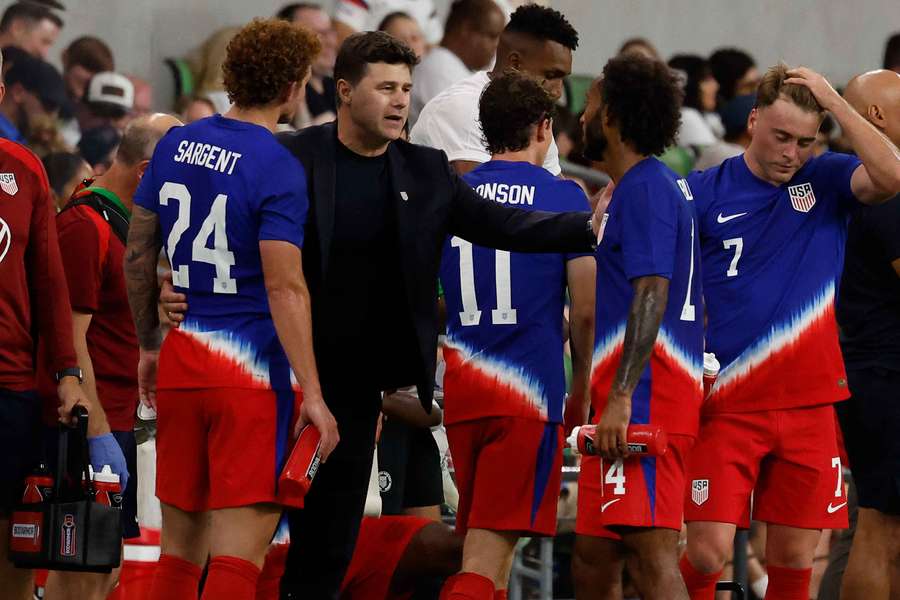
(432, 202)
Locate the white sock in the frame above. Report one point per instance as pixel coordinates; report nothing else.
(759, 586)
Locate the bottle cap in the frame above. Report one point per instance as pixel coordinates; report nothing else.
(106, 475)
(711, 364)
(572, 440)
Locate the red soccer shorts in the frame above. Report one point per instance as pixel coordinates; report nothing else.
(221, 447)
(508, 472)
(787, 458)
(641, 491)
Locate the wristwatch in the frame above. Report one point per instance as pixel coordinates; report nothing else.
(70, 372)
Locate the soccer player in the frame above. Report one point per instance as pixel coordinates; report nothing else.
(504, 386)
(773, 222)
(648, 356)
(228, 205)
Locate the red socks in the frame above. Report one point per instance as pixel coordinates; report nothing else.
(468, 586)
(700, 586)
(788, 584)
(230, 577)
(175, 579)
(500, 595)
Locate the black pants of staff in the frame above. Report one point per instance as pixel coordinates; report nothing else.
(324, 532)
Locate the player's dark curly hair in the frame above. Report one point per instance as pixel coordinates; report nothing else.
(510, 106)
(643, 98)
(264, 58)
(543, 23)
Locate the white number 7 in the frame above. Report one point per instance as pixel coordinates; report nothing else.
(839, 490)
(738, 245)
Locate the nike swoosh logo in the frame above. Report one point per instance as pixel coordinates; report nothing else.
(834, 509)
(723, 219)
(606, 505)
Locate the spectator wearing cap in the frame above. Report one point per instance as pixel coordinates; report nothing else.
(34, 91)
(31, 26)
(108, 102)
(734, 118)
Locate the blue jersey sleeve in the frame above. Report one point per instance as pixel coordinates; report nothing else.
(837, 170)
(284, 204)
(649, 222)
(574, 201)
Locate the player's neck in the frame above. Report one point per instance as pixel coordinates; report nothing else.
(757, 170)
(531, 155)
(264, 116)
(620, 160)
(357, 139)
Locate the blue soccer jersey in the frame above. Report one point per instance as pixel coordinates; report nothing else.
(221, 186)
(504, 350)
(650, 230)
(772, 256)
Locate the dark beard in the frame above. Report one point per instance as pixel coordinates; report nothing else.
(595, 142)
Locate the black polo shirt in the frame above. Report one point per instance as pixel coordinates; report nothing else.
(868, 308)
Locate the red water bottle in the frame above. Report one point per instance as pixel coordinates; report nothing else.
(643, 440)
(26, 524)
(107, 488)
(300, 468)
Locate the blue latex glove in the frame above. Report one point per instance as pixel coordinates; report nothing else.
(105, 450)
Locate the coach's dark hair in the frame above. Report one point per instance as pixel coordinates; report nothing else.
(29, 12)
(642, 98)
(543, 23)
(510, 107)
(362, 49)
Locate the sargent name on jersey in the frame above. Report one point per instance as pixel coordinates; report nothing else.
(507, 193)
(207, 155)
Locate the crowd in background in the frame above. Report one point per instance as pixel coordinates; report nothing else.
(74, 119)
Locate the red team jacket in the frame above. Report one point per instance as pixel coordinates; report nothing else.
(33, 293)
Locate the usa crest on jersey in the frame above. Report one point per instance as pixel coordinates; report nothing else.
(8, 183)
(700, 491)
(802, 197)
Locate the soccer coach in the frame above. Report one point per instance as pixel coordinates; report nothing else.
(380, 211)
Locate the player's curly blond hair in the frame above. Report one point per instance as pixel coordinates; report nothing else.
(264, 58)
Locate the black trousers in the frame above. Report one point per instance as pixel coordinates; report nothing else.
(324, 532)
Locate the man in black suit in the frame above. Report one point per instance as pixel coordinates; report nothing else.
(380, 210)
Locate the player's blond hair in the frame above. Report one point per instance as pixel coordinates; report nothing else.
(772, 86)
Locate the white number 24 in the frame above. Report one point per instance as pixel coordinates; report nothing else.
(214, 224)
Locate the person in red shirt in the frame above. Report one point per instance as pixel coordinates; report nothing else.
(32, 308)
(93, 228)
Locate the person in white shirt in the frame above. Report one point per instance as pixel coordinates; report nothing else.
(538, 41)
(471, 34)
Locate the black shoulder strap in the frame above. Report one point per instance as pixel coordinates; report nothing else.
(111, 213)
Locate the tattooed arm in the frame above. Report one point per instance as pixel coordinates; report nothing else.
(144, 242)
(644, 318)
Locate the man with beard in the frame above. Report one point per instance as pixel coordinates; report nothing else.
(230, 204)
(34, 90)
(648, 357)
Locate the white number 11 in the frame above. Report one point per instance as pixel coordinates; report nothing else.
(504, 314)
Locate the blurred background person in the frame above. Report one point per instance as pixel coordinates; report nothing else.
(98, 147)
(407, 30)
(471, 34)
(109, 101)
(736, 72)
(700, 125)
(65, 172)
(320, 95)
(734, 117)
(640, 46)
(351, 16)
(82, 59)
(892, 53)
(30, 26)
(34, 91)
(196, 108)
